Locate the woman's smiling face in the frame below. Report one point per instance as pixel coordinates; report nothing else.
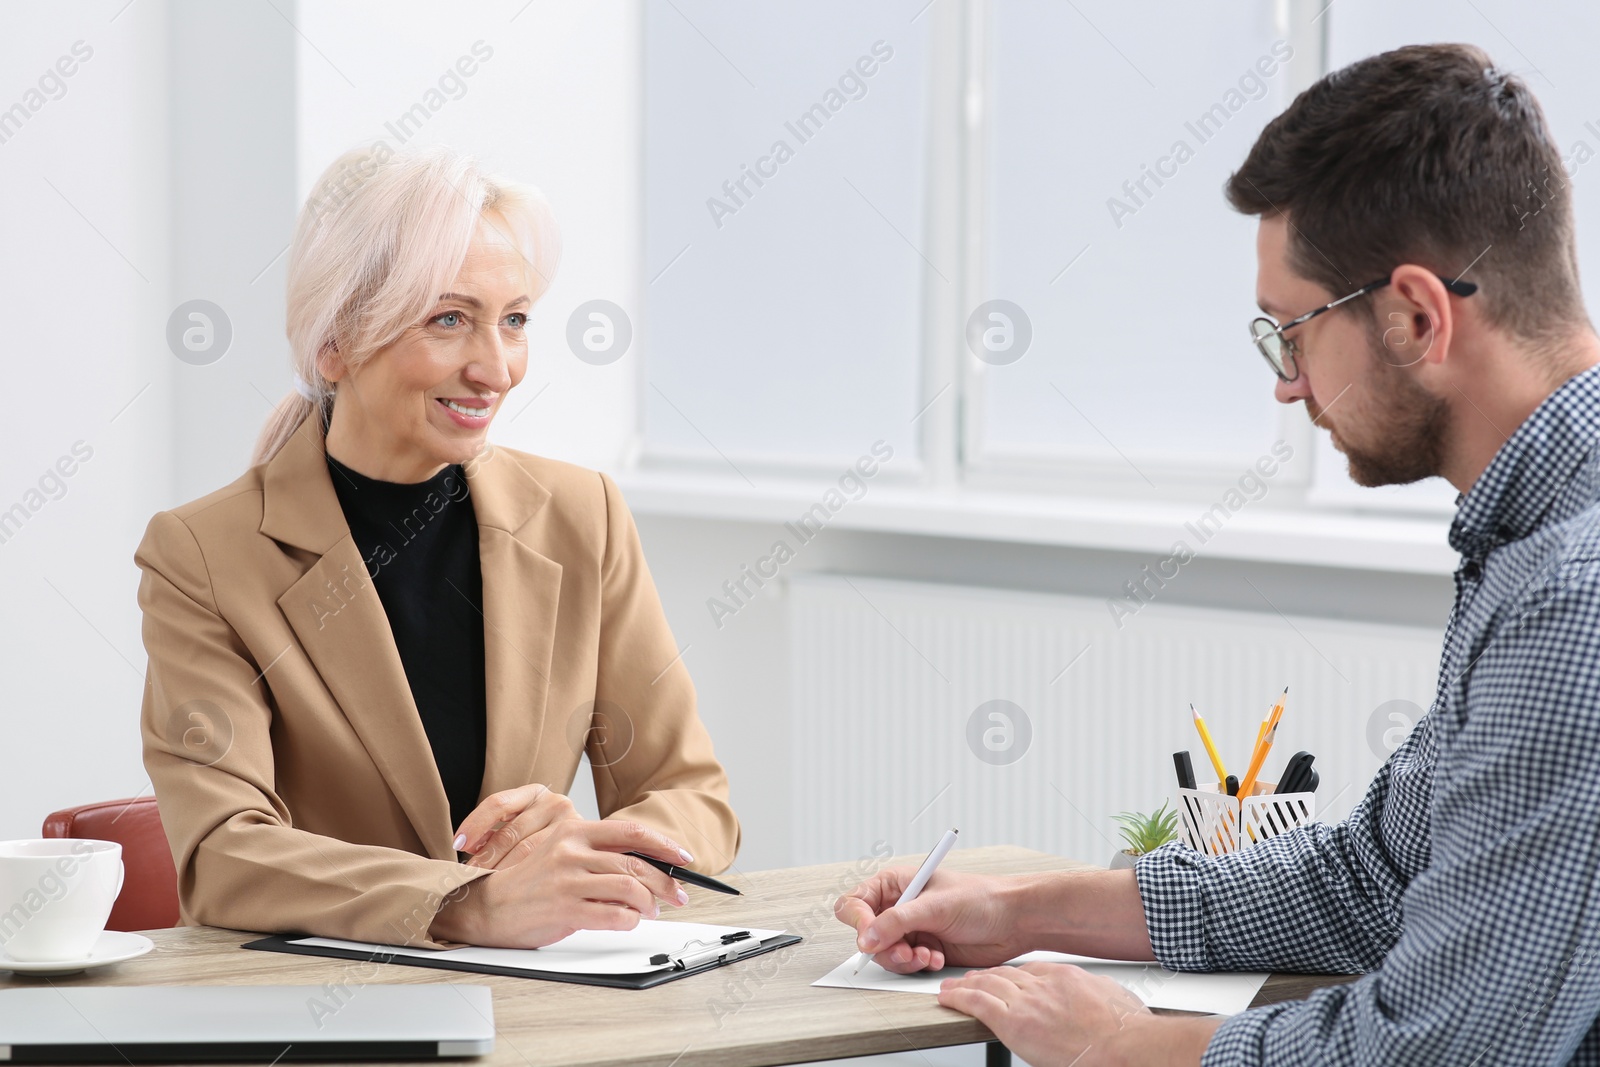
(426, 400)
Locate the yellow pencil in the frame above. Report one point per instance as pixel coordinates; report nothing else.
(1248, 783)
(1211, 749)
(1271, 717)
(1270, 720)
(1277, 712)
(1265, 735)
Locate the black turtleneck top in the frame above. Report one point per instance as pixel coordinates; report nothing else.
(420, 544)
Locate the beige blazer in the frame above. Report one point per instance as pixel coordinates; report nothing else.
(294, 777)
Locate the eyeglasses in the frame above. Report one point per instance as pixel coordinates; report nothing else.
(1280, 352)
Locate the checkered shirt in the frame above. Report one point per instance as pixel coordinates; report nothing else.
(1465, 886)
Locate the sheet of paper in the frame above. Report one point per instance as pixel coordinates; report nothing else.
(1218, 994)
(585, 952)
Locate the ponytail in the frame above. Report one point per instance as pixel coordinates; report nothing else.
(281, 425)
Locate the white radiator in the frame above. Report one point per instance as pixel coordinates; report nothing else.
(887, 676)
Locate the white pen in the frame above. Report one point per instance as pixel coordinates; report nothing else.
(918, 880)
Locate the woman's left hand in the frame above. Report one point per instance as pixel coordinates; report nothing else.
(504, 828)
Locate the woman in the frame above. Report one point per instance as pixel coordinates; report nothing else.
(390, 641)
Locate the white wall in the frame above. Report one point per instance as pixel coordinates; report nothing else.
(232, 115)
(83, 206)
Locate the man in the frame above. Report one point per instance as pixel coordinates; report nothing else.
(1465, 886)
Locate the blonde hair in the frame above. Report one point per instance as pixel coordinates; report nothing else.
(377, 241)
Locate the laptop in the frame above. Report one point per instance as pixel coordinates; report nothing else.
(244, 1024)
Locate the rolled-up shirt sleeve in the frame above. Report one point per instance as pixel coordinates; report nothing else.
(1498, 956)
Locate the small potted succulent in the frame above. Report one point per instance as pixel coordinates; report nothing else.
(1143, 833)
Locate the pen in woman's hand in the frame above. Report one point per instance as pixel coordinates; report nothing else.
(684, 875)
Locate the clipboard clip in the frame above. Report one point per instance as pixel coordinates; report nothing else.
(697, 953)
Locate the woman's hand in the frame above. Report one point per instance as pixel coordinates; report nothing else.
(575, 876)
(506, 827)
(958, 919)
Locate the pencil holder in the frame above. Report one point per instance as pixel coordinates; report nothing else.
(1214, 822)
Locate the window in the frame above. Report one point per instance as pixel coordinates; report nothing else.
(1106, 151)
(784, 220)
(991, 234)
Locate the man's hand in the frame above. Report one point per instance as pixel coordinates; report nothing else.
(1054, 1014)
(1047, 1013)
(958, 919)
(507, 826)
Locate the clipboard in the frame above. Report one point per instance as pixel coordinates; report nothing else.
(641, 980)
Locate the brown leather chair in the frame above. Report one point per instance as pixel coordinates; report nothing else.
(149, 899)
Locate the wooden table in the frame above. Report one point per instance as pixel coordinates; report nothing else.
(757, 1011)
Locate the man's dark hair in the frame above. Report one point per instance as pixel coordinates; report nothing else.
(1427, 155)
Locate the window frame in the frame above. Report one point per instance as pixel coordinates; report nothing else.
(952, 448)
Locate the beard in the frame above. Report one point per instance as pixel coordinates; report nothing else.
(1399, 439)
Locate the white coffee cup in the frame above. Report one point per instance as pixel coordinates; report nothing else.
(56, 894)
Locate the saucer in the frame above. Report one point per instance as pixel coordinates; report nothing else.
(112, 946)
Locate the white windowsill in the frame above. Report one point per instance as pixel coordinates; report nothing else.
(1306, 536)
